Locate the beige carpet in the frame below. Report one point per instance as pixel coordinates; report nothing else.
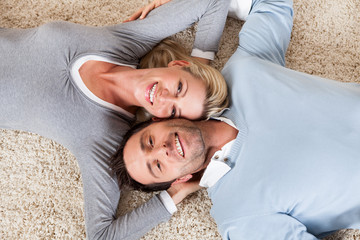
(41, 190)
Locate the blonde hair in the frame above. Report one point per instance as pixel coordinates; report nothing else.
(216, 88)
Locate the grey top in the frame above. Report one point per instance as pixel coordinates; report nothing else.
(39, 95)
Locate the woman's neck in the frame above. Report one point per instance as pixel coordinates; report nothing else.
(111, 83)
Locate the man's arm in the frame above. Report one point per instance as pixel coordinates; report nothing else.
(275, 226)
(267, 30)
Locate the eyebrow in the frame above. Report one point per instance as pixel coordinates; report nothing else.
(151, 171)
(183, 95)
(187, 86)
(142, 145)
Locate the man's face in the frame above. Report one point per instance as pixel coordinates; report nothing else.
(165, 151)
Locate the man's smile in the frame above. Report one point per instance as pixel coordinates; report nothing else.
(178, 145)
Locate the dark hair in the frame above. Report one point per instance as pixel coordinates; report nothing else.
(118, 166)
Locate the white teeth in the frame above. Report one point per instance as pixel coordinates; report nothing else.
(152, 92)
(178, 146)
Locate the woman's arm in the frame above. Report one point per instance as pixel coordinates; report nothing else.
(101, 200)
(203, 56)
(140, 36)
(144, 11)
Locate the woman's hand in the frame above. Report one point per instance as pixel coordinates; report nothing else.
(142, 12)
(181, 190)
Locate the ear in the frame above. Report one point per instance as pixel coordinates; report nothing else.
(178, 63)
(182, 179)
(156, 119)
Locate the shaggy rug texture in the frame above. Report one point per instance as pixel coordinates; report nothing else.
(41, 189)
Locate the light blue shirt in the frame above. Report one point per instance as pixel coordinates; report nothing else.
(295, 164)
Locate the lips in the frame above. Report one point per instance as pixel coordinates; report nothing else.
(150, 93)
(178, 145)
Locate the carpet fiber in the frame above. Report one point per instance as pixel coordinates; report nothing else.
(40, 183)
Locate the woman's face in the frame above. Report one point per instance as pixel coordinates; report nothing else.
(172, 93)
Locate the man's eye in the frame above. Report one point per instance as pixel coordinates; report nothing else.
(151, 142)
(179, 87)
(173, 112)
(158, 165)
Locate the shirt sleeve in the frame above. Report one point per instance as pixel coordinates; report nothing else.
(271, 227)
(203, 54)
(267, 30)
(140, 36)
(168, 202)
(239, 9)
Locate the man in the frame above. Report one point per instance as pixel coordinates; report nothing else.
(282, 163)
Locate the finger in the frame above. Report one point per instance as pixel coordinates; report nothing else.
(135, 15)
(146, 10)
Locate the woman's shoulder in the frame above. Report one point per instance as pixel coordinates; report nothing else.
(58, 28)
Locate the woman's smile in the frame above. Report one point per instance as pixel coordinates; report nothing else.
(150, 93)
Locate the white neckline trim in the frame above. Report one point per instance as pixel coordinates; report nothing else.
(74, 71)
(217, 167)
(225, 120)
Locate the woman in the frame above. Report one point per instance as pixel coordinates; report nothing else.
(50, 79)
(169, 51)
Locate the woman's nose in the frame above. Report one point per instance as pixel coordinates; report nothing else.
(165, 96)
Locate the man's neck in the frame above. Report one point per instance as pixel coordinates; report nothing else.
(216, 134)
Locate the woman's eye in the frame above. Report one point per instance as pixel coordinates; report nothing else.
(173, 112)
(151, 142)
(179, 87)
(158, 165)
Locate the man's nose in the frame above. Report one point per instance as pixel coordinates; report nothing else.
(166, 152)
(161, 150)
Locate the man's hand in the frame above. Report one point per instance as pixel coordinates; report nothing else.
(142, 12)
(181, 190)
